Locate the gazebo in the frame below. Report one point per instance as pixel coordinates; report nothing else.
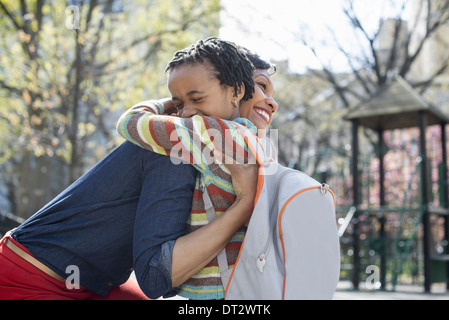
(398, 106)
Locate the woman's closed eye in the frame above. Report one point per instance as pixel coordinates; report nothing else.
(262, 85)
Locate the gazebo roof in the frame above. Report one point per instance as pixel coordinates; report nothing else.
(396, 106)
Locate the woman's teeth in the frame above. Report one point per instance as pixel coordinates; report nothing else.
(263, 114)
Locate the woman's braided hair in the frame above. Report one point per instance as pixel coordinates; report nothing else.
(257, 61)
(231, 65)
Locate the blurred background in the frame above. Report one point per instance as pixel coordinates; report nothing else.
(68, 69)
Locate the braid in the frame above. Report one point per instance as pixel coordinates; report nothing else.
(232, 66)
(257, 61)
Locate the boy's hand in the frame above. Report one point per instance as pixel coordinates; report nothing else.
(169, 106)
(244, 180)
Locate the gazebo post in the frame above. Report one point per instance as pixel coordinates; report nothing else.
(383, 259)
(356, 202)
(445, 203)
(422, 119)
(444, 156)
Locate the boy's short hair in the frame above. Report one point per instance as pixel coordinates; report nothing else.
(231, 64)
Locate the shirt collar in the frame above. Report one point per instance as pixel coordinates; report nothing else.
(247, 123)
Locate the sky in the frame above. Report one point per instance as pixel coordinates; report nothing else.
(273, 28)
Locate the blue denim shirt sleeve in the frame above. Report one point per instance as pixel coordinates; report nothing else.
(153, 271)
(162, 213)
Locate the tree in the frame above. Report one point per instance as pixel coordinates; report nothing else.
(397, 45)
(69, 69)
(390, 50)
(309, 120)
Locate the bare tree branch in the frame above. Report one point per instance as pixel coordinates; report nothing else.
(424, 85)
(355, 70)
(350, 14)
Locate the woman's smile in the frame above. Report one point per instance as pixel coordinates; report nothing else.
(263, 113)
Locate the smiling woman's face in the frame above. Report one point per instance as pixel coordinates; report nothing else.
(260, 108)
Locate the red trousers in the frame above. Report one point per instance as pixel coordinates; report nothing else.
(20, 280)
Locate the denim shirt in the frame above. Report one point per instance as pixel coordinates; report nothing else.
(124, 213)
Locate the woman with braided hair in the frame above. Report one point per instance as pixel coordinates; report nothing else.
(206, 96)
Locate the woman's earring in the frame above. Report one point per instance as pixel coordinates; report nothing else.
(236, 104)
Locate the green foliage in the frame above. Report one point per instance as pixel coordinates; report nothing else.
(63, 85)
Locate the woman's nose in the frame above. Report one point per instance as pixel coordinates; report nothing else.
(273, 104)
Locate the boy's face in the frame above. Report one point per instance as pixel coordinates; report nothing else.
(196, 90)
